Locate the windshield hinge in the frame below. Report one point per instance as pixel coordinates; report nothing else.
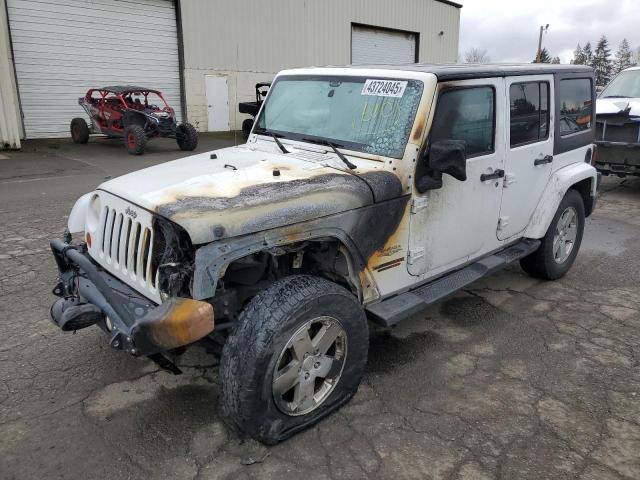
(418, 203)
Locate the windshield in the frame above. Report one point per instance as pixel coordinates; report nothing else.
(625, 85)
(363, 114)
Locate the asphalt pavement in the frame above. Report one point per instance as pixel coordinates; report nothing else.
(514, 378)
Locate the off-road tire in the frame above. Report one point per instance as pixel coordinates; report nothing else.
(264, 327)
(247, 125)
(541, 263)
(186, 137)
(79, 130)
(135, 139)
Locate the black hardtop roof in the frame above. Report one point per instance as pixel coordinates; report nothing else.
(127, 88)
(461, 71)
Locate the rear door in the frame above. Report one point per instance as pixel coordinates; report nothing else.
(529, 150)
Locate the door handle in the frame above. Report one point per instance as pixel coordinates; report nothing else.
(542, 161)
(492, 176)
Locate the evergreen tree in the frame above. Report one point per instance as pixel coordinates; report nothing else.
(544, 56)
(588, 54)
(602, 63)
(555, 60)
(579, 57)
(623, 57)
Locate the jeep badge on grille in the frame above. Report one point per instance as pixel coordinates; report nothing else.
(131, 212)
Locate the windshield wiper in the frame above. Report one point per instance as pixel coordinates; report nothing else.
(334, 147)
(275, 136)
(616, 96)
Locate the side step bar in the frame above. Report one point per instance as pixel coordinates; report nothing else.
(392, 310)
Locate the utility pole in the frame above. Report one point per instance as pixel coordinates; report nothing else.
(542, 30)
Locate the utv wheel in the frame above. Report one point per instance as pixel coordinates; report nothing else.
(561, 243)
(186, 137)
(297, 354)
(79, 130)
(135, 139)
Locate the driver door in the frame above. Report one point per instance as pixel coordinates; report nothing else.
(456, 223)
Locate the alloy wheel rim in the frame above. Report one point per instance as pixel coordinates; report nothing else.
(565, 235)
(309, 366)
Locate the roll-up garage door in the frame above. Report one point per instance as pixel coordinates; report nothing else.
(64, 47)
(371, 45)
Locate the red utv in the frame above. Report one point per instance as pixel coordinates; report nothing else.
(135, 114)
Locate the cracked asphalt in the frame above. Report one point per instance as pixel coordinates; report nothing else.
(514, 378)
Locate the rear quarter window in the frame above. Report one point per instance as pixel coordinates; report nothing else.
(529, 112)
(576, 108)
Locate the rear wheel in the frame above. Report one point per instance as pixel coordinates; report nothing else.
(186, 137)
(135, 139)
(79, 130)
(297, 354)
(560, 245)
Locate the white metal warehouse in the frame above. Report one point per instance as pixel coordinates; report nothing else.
(205, 55)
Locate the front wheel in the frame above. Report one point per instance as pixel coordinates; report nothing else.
(560, 245)
(135, 139)
(186, 137)
(297, 354)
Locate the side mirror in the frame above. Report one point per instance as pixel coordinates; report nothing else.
(444, 156)
(450, 157)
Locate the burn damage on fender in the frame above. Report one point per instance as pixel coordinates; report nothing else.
(384, 185)
(363, 231)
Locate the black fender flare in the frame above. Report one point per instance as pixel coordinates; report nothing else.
(132, 117)
(211, 260)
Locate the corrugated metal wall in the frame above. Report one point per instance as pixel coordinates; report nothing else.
(10, 123)
(64, 47)
(250, 41)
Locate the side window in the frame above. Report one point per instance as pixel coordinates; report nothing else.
(576, 109)
(466, 114)
(529, 107)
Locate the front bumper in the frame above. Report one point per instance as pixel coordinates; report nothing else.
(89, 295)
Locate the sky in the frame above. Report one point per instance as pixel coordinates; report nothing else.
(508, 29)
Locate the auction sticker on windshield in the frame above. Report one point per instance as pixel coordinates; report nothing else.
(384, 88)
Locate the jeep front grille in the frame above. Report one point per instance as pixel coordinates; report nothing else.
(126, 244)
(123, 244)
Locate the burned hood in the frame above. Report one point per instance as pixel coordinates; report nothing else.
(245, 191)
(618, 107)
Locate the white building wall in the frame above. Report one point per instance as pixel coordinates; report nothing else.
(251, 41)
(10, 120)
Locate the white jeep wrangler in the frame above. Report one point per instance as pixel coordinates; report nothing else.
(362, 194)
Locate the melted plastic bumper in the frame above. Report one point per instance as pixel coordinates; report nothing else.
(89, 295)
